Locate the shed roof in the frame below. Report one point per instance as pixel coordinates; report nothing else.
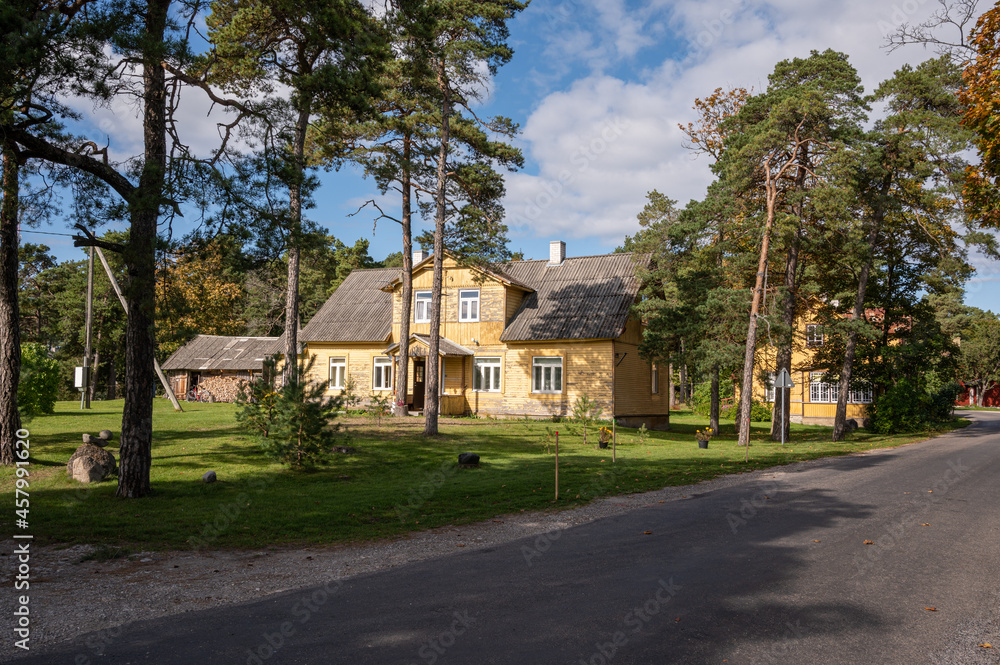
(358, 311)
(218, 352)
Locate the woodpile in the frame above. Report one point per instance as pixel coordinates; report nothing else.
(222, 388)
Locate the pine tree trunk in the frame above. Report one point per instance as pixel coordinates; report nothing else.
(850, 350)
(431, 398)
(402, 371)
(137, 419)
(746, 389)
(294, 244)
(780, 423)
(10, 335)
(684, 382)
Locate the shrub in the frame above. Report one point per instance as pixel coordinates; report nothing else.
(38, 386)
(905, 407)
(586, 411)
(381, 406)
(301, 432)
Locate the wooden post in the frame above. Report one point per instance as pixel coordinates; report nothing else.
(557, 466)
(85, 397)
(156, 365)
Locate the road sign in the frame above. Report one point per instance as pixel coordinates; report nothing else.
(783, 380)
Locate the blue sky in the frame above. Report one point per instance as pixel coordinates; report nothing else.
(598, 88)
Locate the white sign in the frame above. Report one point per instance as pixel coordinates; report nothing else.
(78, 378)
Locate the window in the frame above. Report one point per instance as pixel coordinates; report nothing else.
(655, 370)
(382, 379)
(771, 378)
(338, 373)
(821, 391)
(861, 393)
(422, 307)
(814, 335)
(547, 375)
(486, 375)
(468, 305)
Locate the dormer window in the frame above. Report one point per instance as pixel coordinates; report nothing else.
(468, 305)
(422, 307)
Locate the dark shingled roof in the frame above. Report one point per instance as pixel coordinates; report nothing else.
(358, 311)
(586, 297)
(215, 352)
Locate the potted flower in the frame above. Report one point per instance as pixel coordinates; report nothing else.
(604, 437)
(703, 436)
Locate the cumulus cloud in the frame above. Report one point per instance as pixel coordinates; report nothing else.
(601, 143)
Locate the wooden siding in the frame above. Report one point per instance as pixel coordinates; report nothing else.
(360, 366)
(634, 385)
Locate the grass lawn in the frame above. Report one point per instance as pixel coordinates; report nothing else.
(397, 481)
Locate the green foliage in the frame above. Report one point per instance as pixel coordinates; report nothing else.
(301, 430)
(380, 407)
(255, 401)
(585, 412)
(39, 383)
(349, 395)
(908, 407)
(642, 434)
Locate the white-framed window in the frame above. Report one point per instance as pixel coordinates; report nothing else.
(655, 371)
(422, 307)
(382, 374)
(861, 393)
(771, 378)
(486, 375)
(820, 391)
(546, 375)
(814, 335)
(468, 305)
(338, 373)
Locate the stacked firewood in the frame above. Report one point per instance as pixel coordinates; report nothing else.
(222, 388)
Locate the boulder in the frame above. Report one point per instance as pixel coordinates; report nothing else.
(90, 464)
(867, 423)
(106, 435)
(468, 458)
(850, 424)
(93, 440)
(209, 477)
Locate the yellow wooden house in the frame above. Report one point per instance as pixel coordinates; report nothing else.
(525, 341)
(814, 398)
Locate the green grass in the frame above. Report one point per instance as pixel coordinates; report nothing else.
(397, 481)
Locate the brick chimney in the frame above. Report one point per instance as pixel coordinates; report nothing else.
(557, 252)
(419, 256)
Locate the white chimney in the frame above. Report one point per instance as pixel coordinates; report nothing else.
(557, 252)
(419, 256)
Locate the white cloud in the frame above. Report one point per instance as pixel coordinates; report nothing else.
(602, 143)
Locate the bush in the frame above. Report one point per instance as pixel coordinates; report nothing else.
(701, 401)
(301, 434)
(905, 407)
(38, 386)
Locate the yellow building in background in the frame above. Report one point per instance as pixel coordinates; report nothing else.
(813, 399)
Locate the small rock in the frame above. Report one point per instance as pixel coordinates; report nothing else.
(468, 458)
(346, 450)
(209, 477)
(106, 435)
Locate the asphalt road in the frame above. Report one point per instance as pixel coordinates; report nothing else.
(771, 570)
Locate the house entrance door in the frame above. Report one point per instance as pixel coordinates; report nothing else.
(419, 367)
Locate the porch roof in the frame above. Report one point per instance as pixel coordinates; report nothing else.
(423, 345)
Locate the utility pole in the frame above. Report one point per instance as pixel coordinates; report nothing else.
(85, 396)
